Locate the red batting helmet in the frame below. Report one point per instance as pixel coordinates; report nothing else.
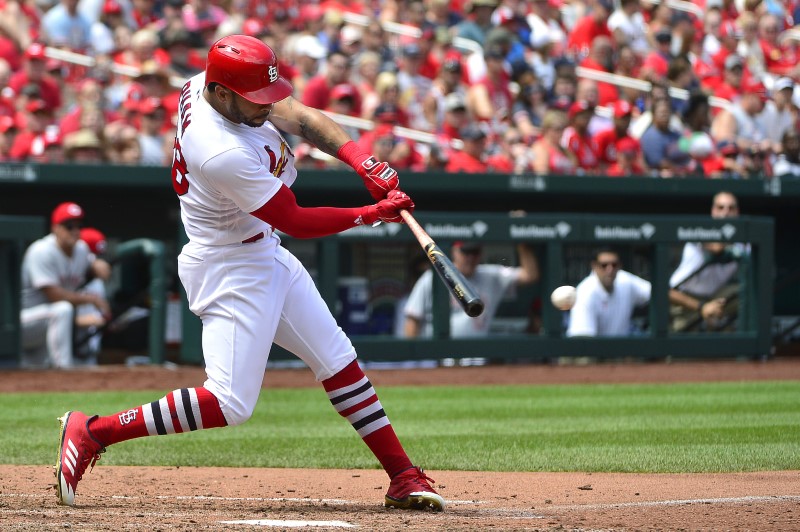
(248, 67)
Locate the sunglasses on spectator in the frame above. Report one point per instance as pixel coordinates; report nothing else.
(72, 226)
(609, 264)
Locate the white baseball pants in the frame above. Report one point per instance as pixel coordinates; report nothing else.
(247, 296)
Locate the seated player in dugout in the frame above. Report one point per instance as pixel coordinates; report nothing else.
(704, 288)
(490, 281)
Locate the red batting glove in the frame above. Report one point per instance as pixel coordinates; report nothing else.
(378, 176)
(387, 210)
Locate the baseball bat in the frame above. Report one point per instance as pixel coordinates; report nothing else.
(453, 279)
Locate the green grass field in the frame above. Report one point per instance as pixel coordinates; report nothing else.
(714, 427)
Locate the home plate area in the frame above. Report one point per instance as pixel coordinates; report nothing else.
(117, 498)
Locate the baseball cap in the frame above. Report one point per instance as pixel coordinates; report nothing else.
(733, 61)
(663, 36)
(350, 34)
(472, 132)
(343, 90)
(468, 246)
(95, 239)
(111, 7)
(727, 147)
(36, 106)
(36, 51)
(754, 86)
(579, 107)
(310, 46)
(783, 83)
(6, 123)
(622, 108)
(454, 101)
(253, 27)
(412, 50)
(452, 65)
(66, 211)
(82, 139)
(386, 113)
(150, 105)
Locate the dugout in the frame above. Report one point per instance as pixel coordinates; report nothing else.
(130, 203)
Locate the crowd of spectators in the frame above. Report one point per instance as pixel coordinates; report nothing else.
(489, 85)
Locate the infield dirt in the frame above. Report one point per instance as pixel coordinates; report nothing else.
(179, 498)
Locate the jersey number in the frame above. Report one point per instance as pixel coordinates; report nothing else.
(180, 173)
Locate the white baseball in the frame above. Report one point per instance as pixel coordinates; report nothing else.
(563, 297)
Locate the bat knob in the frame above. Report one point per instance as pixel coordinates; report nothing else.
(475, 308)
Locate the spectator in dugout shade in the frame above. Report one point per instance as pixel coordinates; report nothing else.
(34, 71)
(577, 139)
(549, 157)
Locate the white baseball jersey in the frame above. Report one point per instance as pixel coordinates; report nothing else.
(247, 292)
(490, 281)
(45, 264)
(598, 312)
(234, 170)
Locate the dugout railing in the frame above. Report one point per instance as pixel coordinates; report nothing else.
(657, 235)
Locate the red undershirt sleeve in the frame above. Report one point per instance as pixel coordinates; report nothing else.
(282, 212)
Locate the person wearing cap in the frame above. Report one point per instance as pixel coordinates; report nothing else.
(627, 159)
(491, 281)
(29, 143)
(308, 56)
(88, 337)
(54, 268)
(606, 299)
(185, 57)
(528, 111)
(34, 72)
(656, 63)
(600, 58)
(577, 138)
(472, 157)
(456, 118)
(478, 20)
(101, 31)
(446, 82)
(609, 141)
(153, 136)
(779, 112)
(398, 151)
(734, 74)
(64, 25)
(414, 87)
(739, 122)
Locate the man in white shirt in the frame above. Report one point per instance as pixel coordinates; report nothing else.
(606, 299)
(490, 281)
(703, 287)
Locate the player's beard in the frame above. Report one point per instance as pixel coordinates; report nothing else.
(240, 117)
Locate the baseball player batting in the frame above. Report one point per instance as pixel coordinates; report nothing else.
(232, 170)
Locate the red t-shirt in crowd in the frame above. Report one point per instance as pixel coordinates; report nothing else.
(584, 147)
(463, 162)
(615, 170)
(581, 37)
(49, 90)
(606, 92)
(607, 141)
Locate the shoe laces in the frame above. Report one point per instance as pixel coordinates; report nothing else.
(419, 477)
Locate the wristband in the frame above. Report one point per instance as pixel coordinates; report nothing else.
(353, 155)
